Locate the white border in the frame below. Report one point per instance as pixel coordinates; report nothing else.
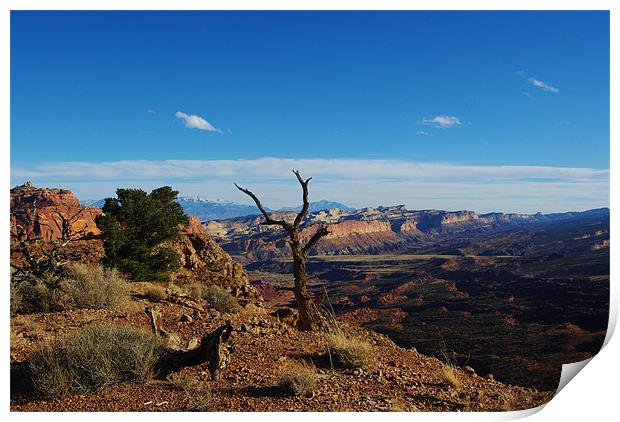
(591, 396)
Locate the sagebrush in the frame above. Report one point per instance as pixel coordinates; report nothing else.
(80, 287)
(92, 358)
(217, 297)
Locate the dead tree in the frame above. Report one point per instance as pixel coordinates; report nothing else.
(309, 313)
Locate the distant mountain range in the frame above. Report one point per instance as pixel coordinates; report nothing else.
(219, 209)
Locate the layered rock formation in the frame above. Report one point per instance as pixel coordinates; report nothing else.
(369, 230)
(39, 212)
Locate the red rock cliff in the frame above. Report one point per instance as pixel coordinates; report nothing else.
(51, 206)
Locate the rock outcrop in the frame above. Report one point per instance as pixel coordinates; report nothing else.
(202, 260)
(39, 213)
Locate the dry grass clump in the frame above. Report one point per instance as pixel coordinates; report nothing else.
(350, 351)
(94, 287)
(299, 379)
(80, 287)
(198, 393)
(156, 293)
(450, 376)
(92, 358)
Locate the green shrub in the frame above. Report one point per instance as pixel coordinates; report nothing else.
(134, 225)
(81, 287)
(92, 358)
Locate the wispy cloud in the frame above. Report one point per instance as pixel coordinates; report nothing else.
(543, 85)
(442, 121)
(151, 111)
(193, 121)
(422, 133)
(358, 182)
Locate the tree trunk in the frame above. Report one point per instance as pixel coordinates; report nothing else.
(309, 318)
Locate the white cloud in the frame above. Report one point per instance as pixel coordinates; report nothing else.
(151, 111)
(196, 122)
(422, 133)
(543, 85)
(442, 121)
(357, 182)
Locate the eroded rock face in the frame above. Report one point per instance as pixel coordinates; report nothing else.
(202, 260)
(348, 227)
(50, 205)
(380, 230)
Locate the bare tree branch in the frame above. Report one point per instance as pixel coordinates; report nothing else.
(320, 232)
(304, 208)
(268, 220)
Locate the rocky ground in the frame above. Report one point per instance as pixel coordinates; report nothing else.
(402, 379)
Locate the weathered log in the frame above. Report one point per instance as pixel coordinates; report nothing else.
(172, 341)
(212, 349)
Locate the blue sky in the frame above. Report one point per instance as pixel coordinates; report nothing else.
(503, 111)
